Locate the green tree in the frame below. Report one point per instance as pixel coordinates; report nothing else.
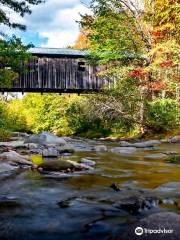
(21, 7)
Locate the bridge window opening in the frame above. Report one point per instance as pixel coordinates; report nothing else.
(81, 66)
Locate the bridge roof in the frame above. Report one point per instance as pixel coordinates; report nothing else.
(58, 52)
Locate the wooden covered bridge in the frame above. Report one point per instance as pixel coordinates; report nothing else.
(57, 71)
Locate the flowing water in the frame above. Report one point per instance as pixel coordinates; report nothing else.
(84, 206)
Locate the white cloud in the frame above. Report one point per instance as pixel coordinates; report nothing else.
(65, 27)
(55, 20)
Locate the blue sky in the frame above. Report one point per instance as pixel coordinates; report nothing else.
(51, 24)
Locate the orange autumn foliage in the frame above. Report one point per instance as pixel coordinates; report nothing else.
(82, 41)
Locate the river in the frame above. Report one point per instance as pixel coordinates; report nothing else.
(84, 206)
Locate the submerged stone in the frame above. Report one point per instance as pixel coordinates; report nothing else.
(135, 204)
(123, 150)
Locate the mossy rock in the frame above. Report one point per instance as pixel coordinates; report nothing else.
(57, 165)
(174, 159)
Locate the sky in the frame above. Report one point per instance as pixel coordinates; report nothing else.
(51, 24)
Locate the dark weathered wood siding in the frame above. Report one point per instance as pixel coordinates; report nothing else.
(57, 75)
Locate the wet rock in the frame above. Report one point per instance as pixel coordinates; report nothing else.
(100, 148)
(63, 165)
(169, 187)
(6, 167)
(87, 162)
(123, 150)
(163, 225)
(134, 205)
(14, 157)
(156, 155)
(115, 187)
(175, 139)
(56, 165)
(13, 144)
(46, 138)
(50, 152)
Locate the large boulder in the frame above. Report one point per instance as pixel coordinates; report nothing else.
(46, 138)
(123, 150)
(175, 139)
(15, 158)
(163, 225)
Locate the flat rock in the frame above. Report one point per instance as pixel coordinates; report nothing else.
(14, 157)
(157, 222)
(123, 150)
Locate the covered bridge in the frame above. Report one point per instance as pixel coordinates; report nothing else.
(57, 70)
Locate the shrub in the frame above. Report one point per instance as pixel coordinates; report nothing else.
(4, 135)
(162, 115)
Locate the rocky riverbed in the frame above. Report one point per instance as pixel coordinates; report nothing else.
(73, 188)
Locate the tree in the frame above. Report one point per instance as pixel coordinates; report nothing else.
(112, 31)
(82, 41)
(12, 51)
(121, 32)
(21, 7)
